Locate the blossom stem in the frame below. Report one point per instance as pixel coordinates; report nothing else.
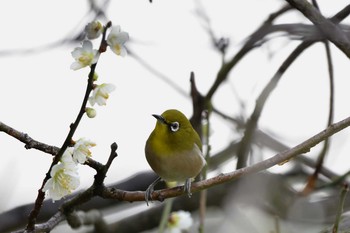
(41, 194)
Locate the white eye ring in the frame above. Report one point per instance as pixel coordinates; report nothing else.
(174, 126)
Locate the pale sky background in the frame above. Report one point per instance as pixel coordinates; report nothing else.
(41, 96)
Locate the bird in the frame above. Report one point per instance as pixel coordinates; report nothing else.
(174, 151)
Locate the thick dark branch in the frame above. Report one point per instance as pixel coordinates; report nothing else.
(341, 14)
(331, 30)
(300, 31)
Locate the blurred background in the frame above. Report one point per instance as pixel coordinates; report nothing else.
(41, 96)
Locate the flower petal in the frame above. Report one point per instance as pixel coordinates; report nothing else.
(84, 56)
(76, 66)
(87, 45)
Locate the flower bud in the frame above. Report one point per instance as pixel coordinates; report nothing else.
(95, 77)
(90, 112)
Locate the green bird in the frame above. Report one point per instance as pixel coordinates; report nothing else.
(174, 150)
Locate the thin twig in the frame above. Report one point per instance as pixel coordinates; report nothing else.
(313, 178)
(27, 140)
(260, 103)
(157, 73)
(220, 44)
(49, 224)
(340, 208)
(31, 143)
(248, 46)
(95, 189)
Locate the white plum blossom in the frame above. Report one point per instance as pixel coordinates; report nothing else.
(82, 150)
(64, 177)
(84, 56)
(116, 40)
(67, 157)
(101, 94)
(179, 221)
(93, 30)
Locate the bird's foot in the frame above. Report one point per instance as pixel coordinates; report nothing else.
(187, 187)
(148, 192)
(150, 189)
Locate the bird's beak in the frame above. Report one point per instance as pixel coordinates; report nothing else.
(159, 118)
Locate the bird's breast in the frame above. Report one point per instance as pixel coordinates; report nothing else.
(175, 164)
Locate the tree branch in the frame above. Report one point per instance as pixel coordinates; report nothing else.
(331, 30)
(28, 141)
(160, 195)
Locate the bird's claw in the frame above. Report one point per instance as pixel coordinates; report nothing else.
(148, 194)
(150, 189)
(187, 187)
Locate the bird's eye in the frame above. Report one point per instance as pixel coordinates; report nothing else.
(174, 126)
